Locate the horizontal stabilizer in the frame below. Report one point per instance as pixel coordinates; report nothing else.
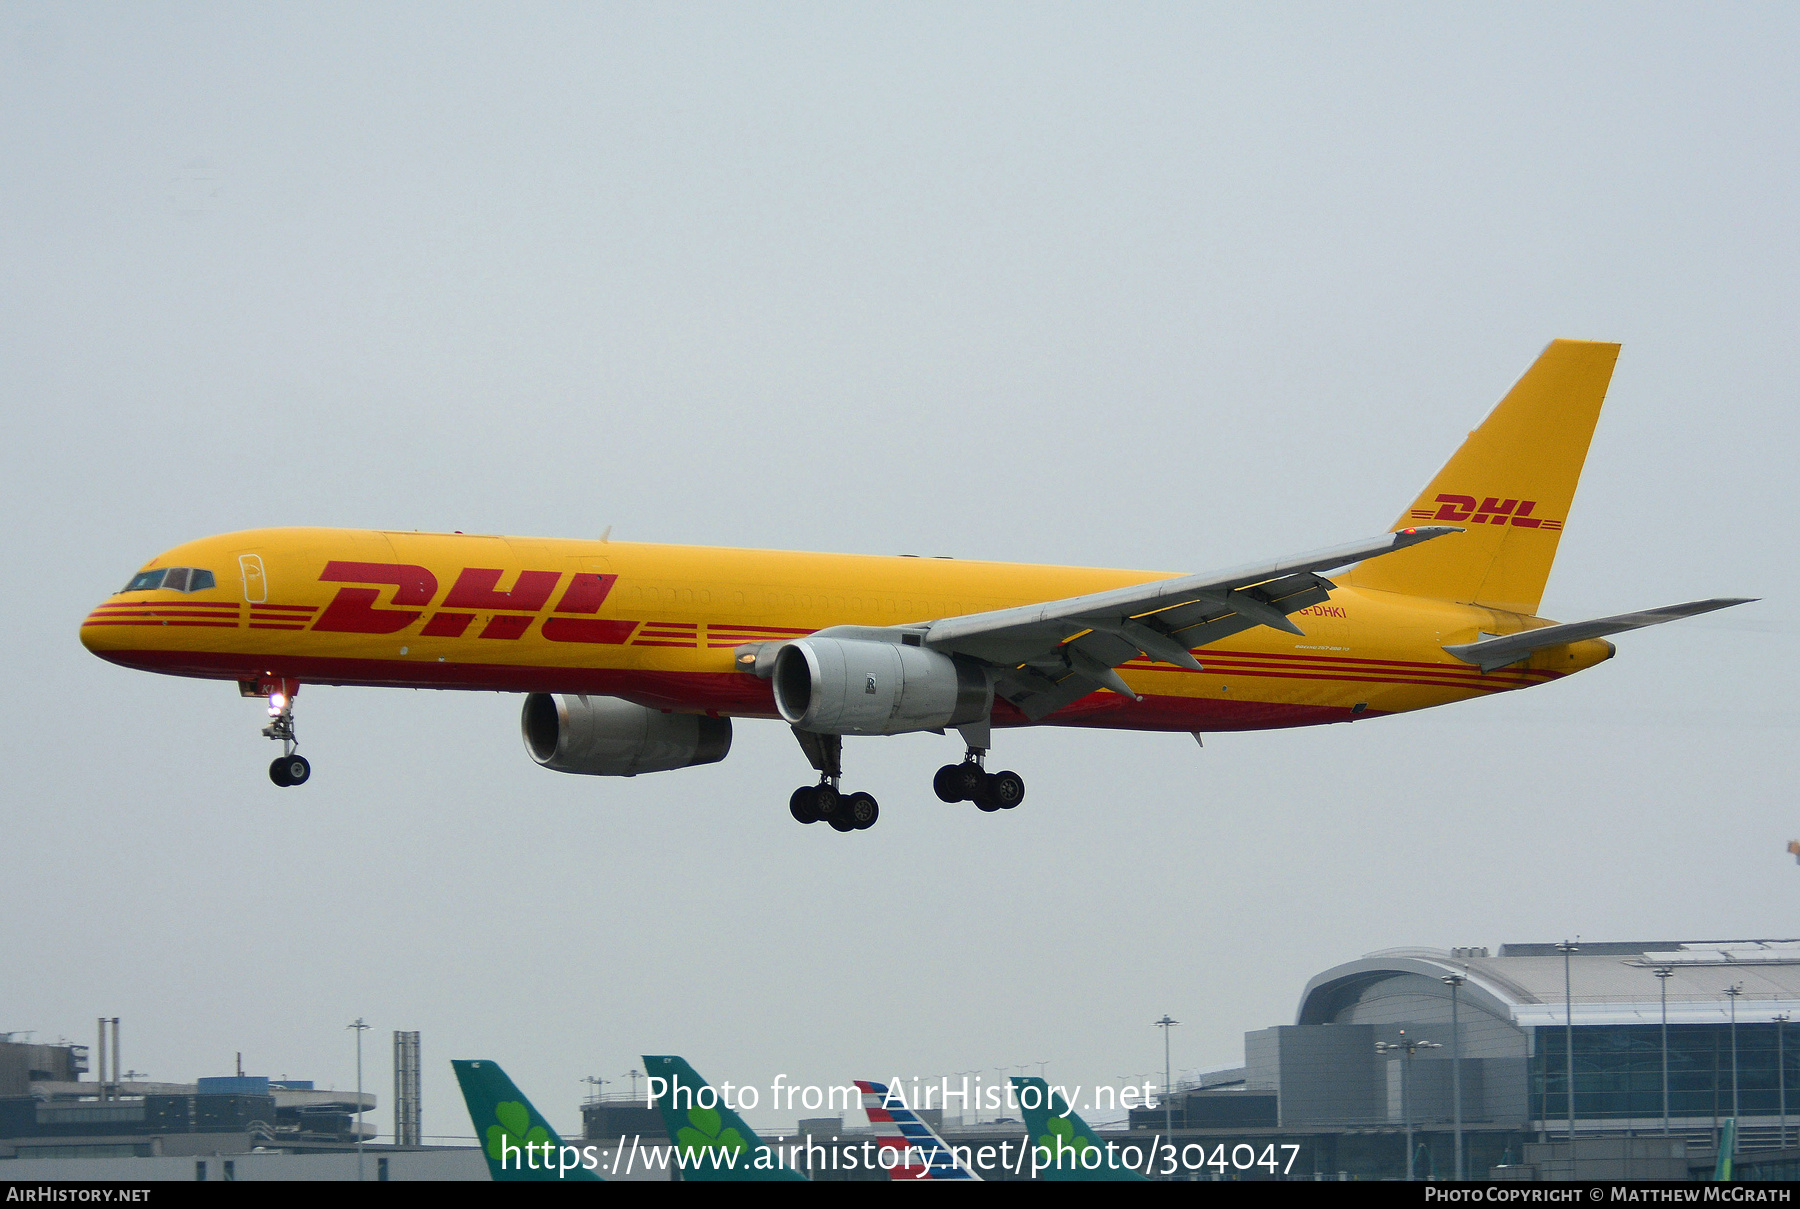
(1493, 653)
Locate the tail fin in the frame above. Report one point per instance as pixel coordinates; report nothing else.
(1511, 484)
(518, 1142)
(921, 1153)
(710, 1140)
(1062, 1140)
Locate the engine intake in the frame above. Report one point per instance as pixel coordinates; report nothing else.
(607, 737)
(852, 686)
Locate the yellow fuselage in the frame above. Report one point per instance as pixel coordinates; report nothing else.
(659, 625)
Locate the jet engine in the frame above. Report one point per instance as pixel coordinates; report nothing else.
(853, 686)
(607, 737)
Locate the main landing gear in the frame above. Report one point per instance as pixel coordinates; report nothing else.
(971, 782)
(823, 802)
(826, 802)
(290, 768)
(966, 782)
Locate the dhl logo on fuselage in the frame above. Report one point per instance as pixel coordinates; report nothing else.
(354, 610)
(1492, 510)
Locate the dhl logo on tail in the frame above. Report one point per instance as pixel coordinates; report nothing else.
(1491, 511)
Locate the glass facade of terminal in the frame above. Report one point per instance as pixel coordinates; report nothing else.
(1619, 1071)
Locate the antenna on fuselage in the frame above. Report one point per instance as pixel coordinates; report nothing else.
(606, 534)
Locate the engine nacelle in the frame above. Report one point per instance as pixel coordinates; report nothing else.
(852, 686)
(607, 737)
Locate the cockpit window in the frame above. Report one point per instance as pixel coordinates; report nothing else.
(182, 579)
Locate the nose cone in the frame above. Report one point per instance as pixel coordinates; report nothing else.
(104, 629)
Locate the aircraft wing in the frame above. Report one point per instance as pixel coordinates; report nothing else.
(1492, 653)
(1060, 651)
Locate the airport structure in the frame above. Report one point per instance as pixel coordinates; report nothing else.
(1662, 1042)
(49, 1112)
(1397, 1054)
(1406, 1061)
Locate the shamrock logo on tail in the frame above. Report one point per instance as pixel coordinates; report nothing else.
(1063, 1130)
(515, 1127)
(702, 1131)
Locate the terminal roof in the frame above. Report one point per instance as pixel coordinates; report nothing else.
(1610, 982)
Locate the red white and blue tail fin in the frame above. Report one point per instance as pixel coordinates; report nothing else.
(921, 1154)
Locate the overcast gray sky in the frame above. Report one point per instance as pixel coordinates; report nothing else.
(1159, 286)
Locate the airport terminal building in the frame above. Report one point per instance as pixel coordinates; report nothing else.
(1381, 1042)
(1731, 1048)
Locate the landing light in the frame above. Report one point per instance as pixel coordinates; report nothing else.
(277, 703)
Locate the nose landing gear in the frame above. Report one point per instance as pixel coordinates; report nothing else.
(290, 768)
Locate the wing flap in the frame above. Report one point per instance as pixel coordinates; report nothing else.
(1037, 696)
(1493, 653)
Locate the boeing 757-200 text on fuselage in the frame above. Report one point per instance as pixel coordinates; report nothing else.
(635, 657)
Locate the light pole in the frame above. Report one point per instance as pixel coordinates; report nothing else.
(1407, 1047)
(1455, 982)
(1781, 1019)
(1165, 1024)
(1663, 974)
(1568, 947)
(1130, 1080)
(634, 1074)
(1732, 992)
(964, 1076)
(360, 1028)
(596, 1083)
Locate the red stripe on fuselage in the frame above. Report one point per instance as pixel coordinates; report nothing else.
(221, 625)
(1272, 671)
(159, 611)
(1215, 654)
(732, 693)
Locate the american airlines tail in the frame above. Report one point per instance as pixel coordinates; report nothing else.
(1510, 487)
(919, 1153)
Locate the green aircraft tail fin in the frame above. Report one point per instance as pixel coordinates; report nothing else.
(1065, 1147)
(1727, 1150)
(518, 1142)
(710, 1140)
